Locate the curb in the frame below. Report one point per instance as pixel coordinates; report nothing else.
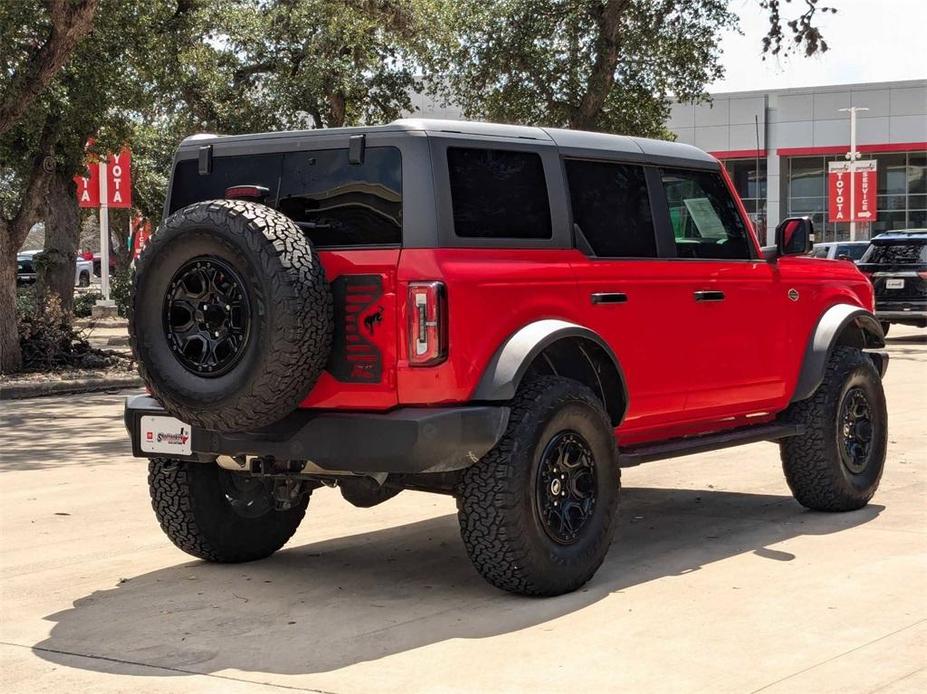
(23, 390)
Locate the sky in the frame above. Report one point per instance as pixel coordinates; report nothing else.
(869, 40)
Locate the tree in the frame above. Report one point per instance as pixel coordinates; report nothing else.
(805, 33)
(33, 58)
(90, 94)
(593, 65)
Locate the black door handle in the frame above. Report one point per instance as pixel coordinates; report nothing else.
(609, 298)
(709, 295)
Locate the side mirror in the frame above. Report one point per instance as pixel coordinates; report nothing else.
(795, 236)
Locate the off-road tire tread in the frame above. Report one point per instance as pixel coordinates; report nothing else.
(173, 501)
(300, 297)
(492, 525)
(808, 460)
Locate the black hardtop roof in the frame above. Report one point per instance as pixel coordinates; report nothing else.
(565, 139)
(902, 236)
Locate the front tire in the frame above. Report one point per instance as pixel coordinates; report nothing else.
(218, 515)
(837, 463)
(537, 512)
(885, 327)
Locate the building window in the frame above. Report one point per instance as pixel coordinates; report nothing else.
(902, 194)
(749, 178)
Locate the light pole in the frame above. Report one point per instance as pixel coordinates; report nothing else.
(853, 156)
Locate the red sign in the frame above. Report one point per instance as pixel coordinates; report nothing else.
(864, 184)
(119, 179)
(88, 187)
(141, 232)
(863, 180)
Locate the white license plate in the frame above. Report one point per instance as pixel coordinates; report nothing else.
(894, 284)
(164, 435)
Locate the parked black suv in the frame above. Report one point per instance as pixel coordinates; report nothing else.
(897, 265)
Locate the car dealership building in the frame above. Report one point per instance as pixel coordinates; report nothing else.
(777, 144)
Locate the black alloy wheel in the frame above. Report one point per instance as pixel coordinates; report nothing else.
(854, 431)
(206, 316)
(566, 487)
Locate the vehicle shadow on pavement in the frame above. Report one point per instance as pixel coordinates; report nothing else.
(328, 605)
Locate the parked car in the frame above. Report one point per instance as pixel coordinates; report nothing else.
(26, 273)
(897, 265)
(840, 250)
(488, 311)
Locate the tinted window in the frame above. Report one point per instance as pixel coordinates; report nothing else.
(612, 209)
(819, 252)
(342, 204)
(705, 219)
(853, 251)
(896, 253)
(498, 194)
(189, 187)
(336, 203)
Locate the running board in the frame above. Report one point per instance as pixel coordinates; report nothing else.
(644, 453)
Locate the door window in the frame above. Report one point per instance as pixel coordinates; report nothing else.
(611, 208)
(498, 193)
(705, 219)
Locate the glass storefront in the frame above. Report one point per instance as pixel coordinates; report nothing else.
(902, 193)
(749, 178)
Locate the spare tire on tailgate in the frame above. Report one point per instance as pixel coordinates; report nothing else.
(231, 318)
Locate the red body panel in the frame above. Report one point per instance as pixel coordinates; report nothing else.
(691, 367)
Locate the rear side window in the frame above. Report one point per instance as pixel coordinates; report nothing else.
(342, 204)
(896, 254)
(334, 202)
(498, 193)
(705, 219)
(611, 208)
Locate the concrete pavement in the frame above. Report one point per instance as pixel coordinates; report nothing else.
(717, 581)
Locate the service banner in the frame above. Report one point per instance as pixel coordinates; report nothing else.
(864, 196)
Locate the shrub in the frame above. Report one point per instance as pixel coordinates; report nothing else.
(120, 291)
(49, 341)
(83, 303)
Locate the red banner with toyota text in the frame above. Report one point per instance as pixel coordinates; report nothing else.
(88, 187)
(119, 179)
(838, 191)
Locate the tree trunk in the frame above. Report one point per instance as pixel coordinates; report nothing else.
(11, 358)
(13, 232)
(62, 235)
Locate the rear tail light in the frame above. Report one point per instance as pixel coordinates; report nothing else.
(922, 274)
(427, 323)
(246, 192)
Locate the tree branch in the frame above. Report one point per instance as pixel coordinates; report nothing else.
(71, 21)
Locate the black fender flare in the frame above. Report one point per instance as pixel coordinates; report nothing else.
(829, 331)
(508, 366)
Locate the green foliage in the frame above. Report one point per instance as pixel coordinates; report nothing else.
(121, 291)
(83, 303)
(609, 66)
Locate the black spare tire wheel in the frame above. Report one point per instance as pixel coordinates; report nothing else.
(231, 318)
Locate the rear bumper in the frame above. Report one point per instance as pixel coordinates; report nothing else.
(907, 315)
(406, 440)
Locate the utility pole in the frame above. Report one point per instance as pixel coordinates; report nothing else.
(853, 156)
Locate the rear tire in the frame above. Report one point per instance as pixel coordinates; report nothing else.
(218, 515)
(559, 448)
(837, 463)
(885, 327)
(84, 280)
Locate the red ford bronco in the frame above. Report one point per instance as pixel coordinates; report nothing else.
(505, 314)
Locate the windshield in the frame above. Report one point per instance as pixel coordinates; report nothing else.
(900, 253)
